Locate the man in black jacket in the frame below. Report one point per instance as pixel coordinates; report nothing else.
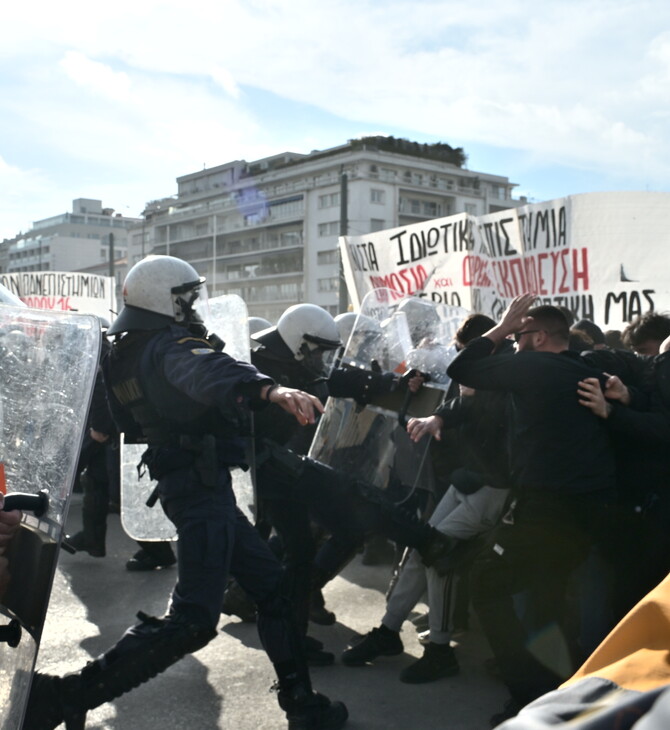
(562, 468)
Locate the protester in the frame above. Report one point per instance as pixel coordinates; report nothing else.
(638, 416)
(645, 334)
(471, 505)
(561, 487)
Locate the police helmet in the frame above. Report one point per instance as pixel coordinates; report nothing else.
(345, 322)
(303, 332)
(158, 291)
(256, 324)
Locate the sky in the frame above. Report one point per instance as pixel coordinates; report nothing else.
(115, 101)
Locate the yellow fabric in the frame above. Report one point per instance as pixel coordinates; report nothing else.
(636, 654)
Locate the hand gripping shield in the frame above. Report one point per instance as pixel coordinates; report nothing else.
(393, 334)
(227, 318)
(48, 364)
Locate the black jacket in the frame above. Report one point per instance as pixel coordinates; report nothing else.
(555, 443)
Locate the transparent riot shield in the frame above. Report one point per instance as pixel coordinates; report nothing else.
(228, 318)
(48, 364)
(392, 334)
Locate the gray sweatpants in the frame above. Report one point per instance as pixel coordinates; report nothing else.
(458, 515)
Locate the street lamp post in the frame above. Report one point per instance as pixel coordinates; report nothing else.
(343, 299)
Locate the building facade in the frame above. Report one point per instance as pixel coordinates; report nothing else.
(83, 239)
(267, 230)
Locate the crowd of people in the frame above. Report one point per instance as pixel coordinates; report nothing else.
(546, 508)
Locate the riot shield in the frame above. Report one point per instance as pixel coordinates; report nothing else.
(228, 318)
(48, 364)
(394, 335)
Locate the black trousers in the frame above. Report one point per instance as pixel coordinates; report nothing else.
(307, 565)
(549, 537)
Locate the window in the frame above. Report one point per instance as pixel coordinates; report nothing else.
(377, 196)
(290, 238)
(471, 208)
(377, 224)
(329, 200)
(430, 209)
(328, 257)
(287, 207)
(329, 229)
(330, 284)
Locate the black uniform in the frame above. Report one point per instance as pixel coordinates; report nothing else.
(291, 511)
(190, 402)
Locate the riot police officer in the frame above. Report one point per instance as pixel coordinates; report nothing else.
(172, 385)
(297, 352)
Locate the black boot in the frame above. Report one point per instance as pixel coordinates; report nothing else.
(381, 641)
(438, 661)
(91, 539)
(144, 651)
(315, 655)
(152, 556)
(318, 613)
(83, 542)
(52, 701)
(309, 710)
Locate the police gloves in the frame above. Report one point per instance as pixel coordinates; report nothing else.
(361, 385)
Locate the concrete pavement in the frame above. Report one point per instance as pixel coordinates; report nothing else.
(226, 684)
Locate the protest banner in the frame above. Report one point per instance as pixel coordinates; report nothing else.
(602, 255)
(64, 291)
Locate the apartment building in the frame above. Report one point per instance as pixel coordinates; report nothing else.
(267, 230)
(76, 241)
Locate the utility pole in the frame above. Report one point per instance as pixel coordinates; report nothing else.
(343, 301)
(111, 255)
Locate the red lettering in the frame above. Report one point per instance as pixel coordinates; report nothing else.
(563, 287)
(554, 268)
(530, 265)
(542, 289)
(517, 270)
(504, 287)
(580, 273)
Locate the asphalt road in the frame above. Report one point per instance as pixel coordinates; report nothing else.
(226, 684)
